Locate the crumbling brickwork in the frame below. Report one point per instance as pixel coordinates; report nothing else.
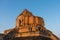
(29, 27)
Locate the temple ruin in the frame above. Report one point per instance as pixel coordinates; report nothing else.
(29, 27)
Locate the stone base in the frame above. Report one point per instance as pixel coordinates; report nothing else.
(32, 38)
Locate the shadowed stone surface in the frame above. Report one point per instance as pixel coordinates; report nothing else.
(31, 38)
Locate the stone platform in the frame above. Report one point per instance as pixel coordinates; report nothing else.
(32, 38)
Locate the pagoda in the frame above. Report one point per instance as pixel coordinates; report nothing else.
(29, 27)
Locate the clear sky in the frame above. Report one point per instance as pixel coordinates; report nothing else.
(48, 9)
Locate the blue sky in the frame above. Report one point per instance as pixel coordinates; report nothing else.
(48, 9)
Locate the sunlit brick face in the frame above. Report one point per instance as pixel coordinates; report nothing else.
(26, 22)
(26, 18)
(29, 23)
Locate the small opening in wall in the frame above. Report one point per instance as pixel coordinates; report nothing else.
(20, 22)
(30, 29)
